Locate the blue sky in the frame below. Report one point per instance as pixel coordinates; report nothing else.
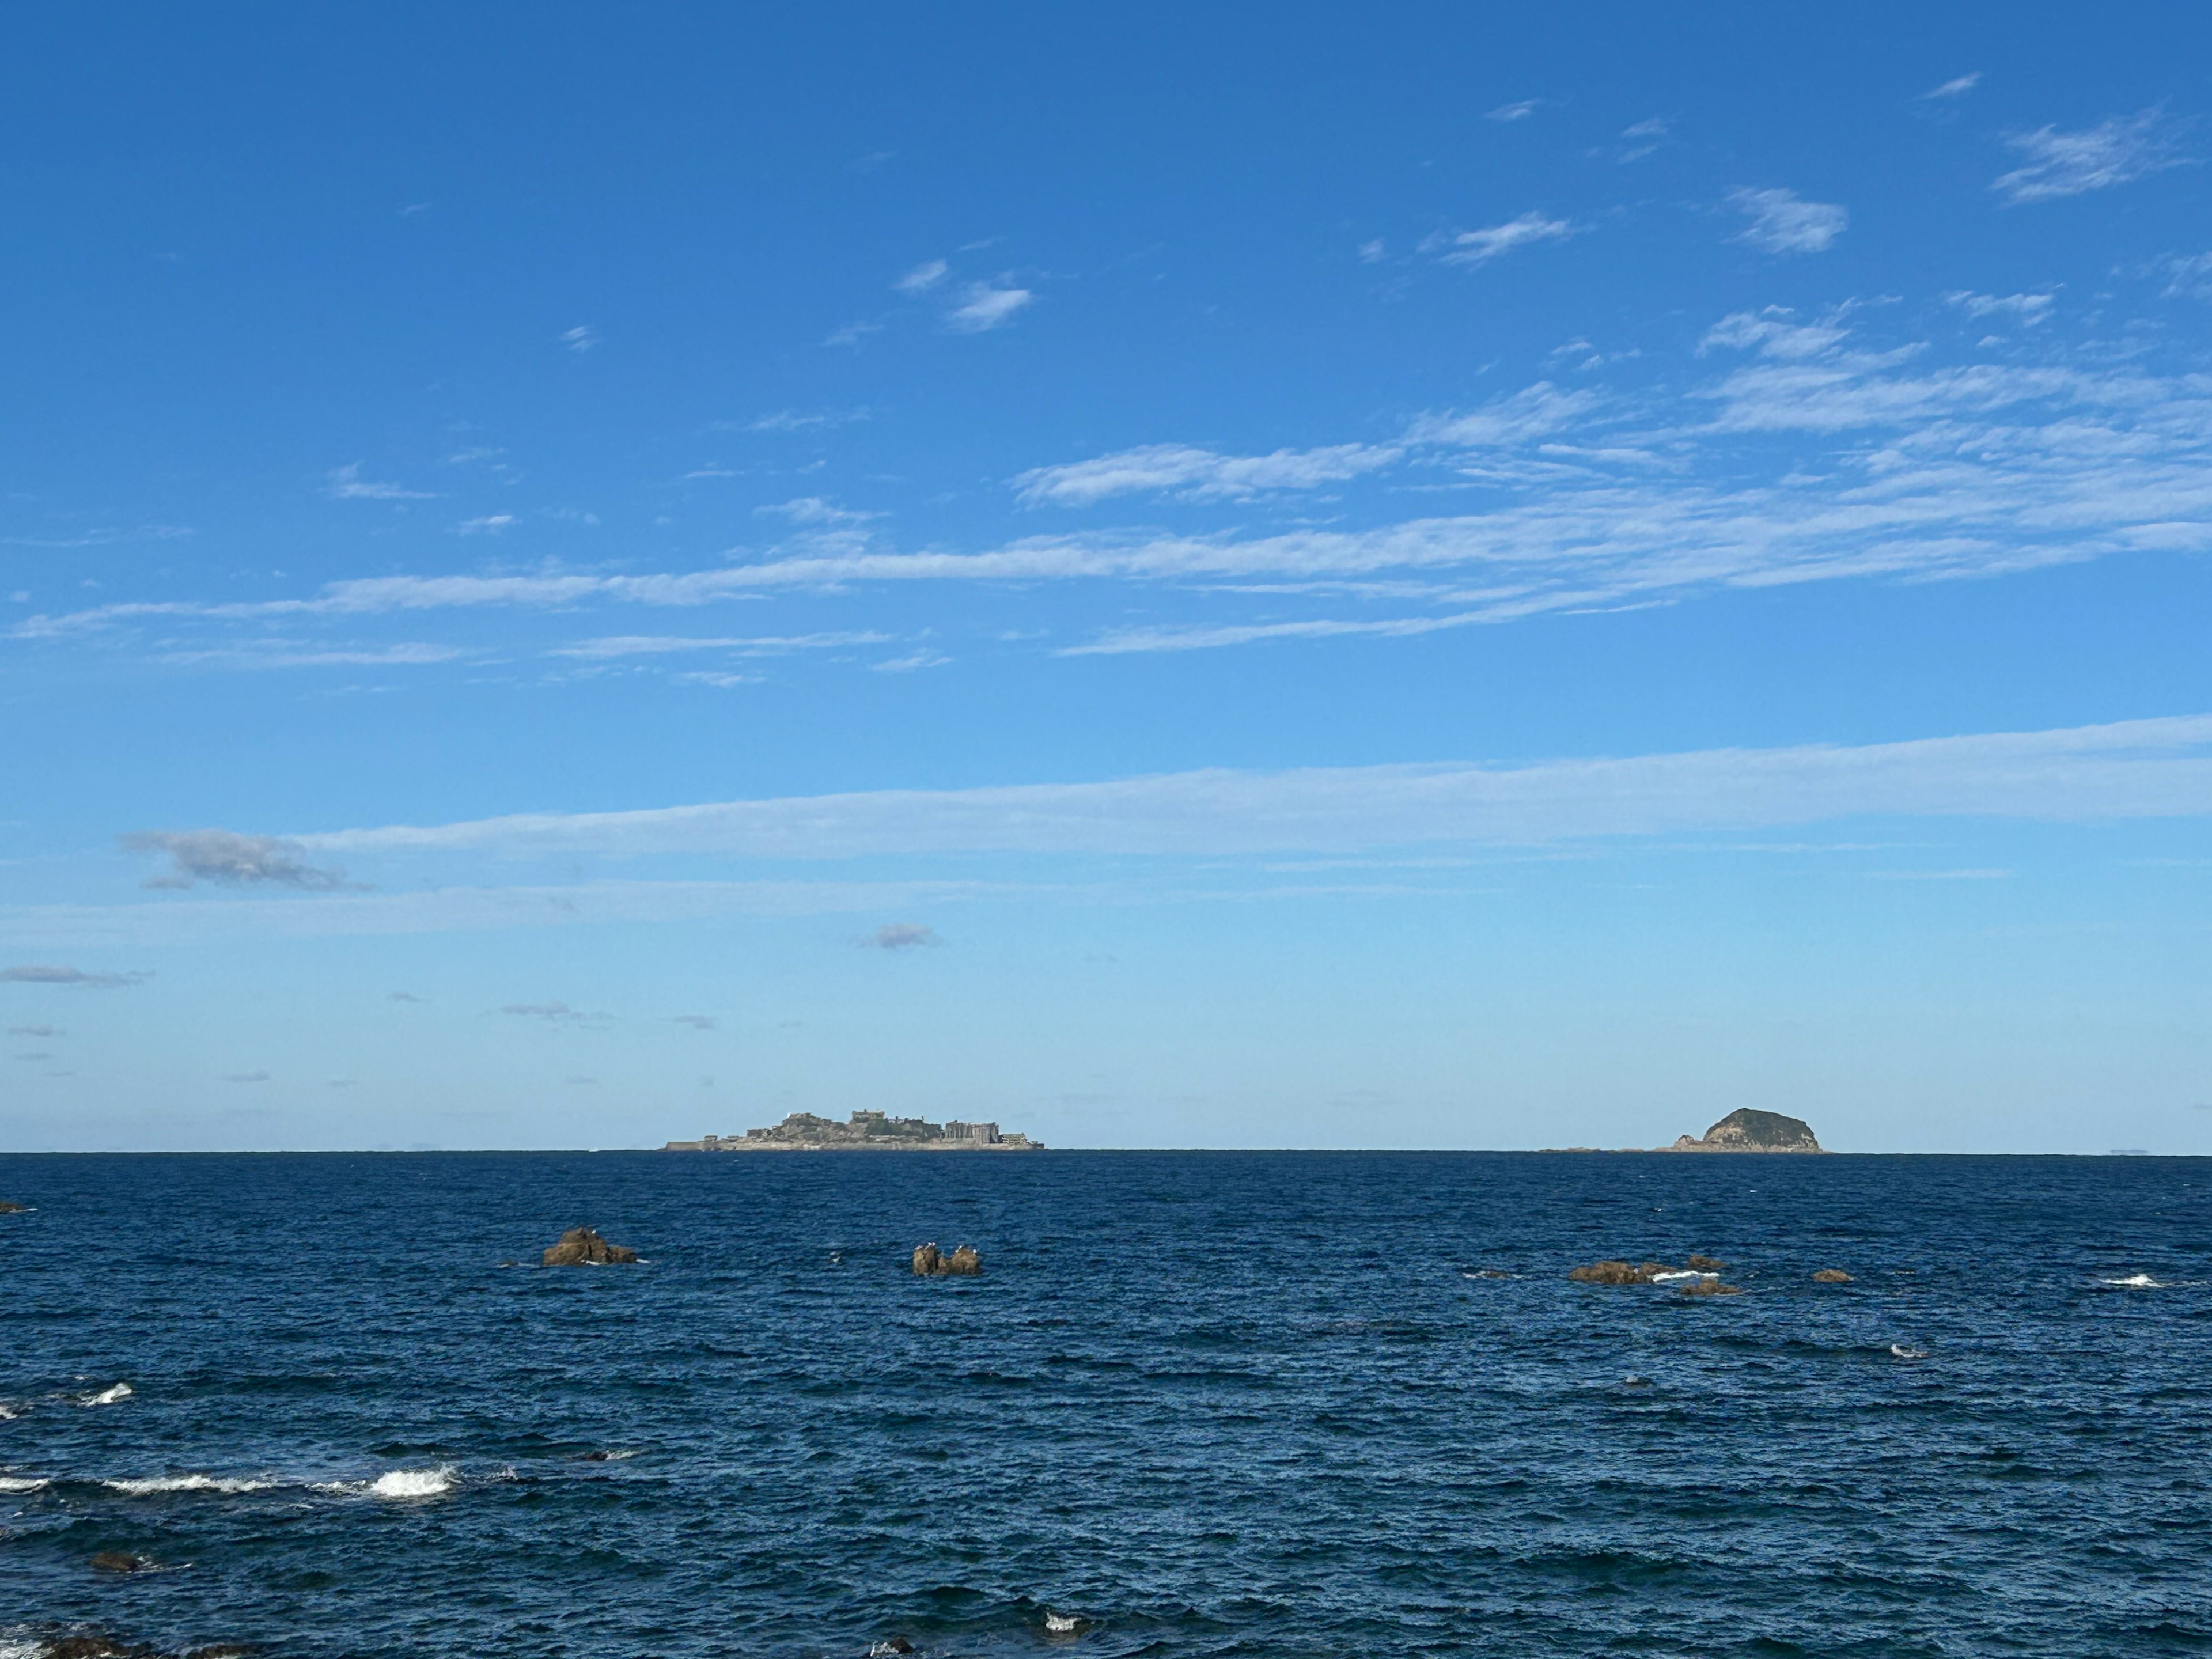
(1254, 576)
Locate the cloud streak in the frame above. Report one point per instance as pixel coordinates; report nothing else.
(1470, 248)
(53, 973)
(2139, 769)
(1779, 221)
(227, 859)
(2057, 164)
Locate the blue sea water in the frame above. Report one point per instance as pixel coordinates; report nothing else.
(1205, 1403)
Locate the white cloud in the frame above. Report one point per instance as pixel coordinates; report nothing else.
(816, 510)
(346, 484)
(2137, 769)
(653, 645)
(1372, 253)
(1477, 248)
(912, 662)
(2190, 276)
(491, 524)
(1535, 411)
(852, 334)
(1780, 223)
(794, 419)
(923, 277)
(985, 305)
(1956, 88)
(231, 860)
(2060, 164)
(1197, 474)
(1516, 111)
(2026, 309)
(582, 338)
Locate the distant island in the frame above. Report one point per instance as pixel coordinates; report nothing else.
(1747, 1131)
(867, 1131)
(1742, 1131)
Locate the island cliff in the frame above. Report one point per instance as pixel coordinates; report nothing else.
(867, 1131)
(1747, 1131)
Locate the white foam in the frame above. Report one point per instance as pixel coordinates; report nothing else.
(20, 1483)
(2136, 1282)
(8, 1413)
(1062, 1623)
(11, 1649)
(413, 1483)
(161, 1483)
(107, 1397)
(1904, 1352)
(1680, 1273)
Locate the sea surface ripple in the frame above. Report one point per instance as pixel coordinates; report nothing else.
(1279, 1404)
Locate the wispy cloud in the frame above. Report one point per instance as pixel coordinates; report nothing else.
(230, 861)
(36, 1031)
(912, 662)
(490, 524)
(2190, 276)
(795, 420)
(696, 1022)
(1958, 87)
(53, 973)
(243, 1077)
(553, 1013)
(923, 277)
(900, 936)
(346, 484)
(2026, 309)
(851, 334)
(1519, 111)
(1779, 221)
(1478, 247)
(760, 645)
(817, 510)
(2059, 164)
(986, 305)
(582, 338)
(1197, 474)
(2130, 770)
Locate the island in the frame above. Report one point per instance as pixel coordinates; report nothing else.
(867, 1131)
(1747, 1131)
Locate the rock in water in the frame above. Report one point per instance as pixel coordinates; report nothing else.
(1705, 1264)
(930, 1263)
(1710, 1287)
(582, 1246)
(1747, 1131)
(118, 1561)
(1612, 1273)
(8, 1206)
(1831, 1276)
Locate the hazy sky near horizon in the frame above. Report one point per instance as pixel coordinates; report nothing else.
(1224, 576)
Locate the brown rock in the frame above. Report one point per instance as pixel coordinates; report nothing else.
(581, 1245)
(1612, 1273)
(1705, 1264)
(8, 1206)
(1831, 1276)
(1710, 1287)
(119, 1561)
(931, 1263)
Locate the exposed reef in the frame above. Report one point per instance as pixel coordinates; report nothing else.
(930, 1263)
(582, 1247)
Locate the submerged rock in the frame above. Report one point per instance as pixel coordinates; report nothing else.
(119, 1561)
(582, 1246)
(8, 1206)
(1710, 1287)
(1831, 1276)
(930, 1263)
(890, 1645)
(1705, 1264)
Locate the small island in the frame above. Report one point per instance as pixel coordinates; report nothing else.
(1747, 1131)
(867, 1131)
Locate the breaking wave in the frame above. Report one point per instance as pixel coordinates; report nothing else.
(413, 1483)
(162, 1483)
(107, 1397)
(20, 1483)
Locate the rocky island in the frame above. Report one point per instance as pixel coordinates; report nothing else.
(867, 1131)
(1747, 1131)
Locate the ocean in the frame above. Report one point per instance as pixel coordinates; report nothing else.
(1198, 1403)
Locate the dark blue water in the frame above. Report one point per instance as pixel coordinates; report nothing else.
(1208, 1403)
